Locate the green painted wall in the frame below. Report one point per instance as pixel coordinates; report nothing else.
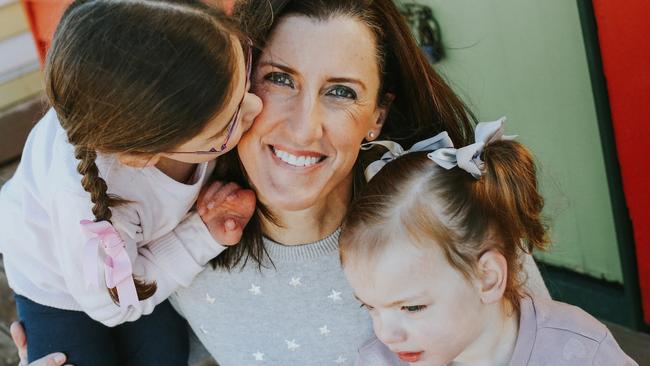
(525, 59)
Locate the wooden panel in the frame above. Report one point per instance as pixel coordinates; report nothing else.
(20, 89)
(15, 124)
(12, 20)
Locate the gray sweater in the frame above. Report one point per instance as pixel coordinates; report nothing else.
(302, 312)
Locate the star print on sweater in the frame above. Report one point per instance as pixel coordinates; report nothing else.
(259, 356)
(340, 360)
(255, 290)
(304, 312)
(335, 296)
(295, 281)
(292, 345)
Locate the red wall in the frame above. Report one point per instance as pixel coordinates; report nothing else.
(624, 34)
(43, 16)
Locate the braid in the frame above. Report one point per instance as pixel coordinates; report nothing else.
(93, 183)
(102, 201)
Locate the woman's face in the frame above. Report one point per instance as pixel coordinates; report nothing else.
(318, 81)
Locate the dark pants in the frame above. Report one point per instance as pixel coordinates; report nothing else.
(159, 338)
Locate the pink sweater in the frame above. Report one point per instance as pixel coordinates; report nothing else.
(550, 333)
(43, 244)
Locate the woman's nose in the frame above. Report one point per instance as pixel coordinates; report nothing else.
(306, 121)
(251, 107)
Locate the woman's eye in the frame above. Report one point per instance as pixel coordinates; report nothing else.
(341, 91)
(414, 308)
(279, 78)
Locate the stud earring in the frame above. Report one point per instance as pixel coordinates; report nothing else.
(371, 135)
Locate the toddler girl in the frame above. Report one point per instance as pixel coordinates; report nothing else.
(95, 224)
(432, 248)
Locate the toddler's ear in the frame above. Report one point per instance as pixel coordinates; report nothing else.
(492, 276)
(139, 160)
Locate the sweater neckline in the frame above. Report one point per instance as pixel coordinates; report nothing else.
(300, 252)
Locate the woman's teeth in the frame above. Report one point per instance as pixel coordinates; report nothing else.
(299, 161)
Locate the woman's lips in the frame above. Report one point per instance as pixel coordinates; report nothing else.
(296, 159)
(410, 356)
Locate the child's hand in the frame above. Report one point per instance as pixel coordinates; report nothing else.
(225, 209)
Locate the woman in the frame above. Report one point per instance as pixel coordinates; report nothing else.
(332, 74)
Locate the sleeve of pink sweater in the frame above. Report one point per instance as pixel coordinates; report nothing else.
(609, 353)
(171, 260)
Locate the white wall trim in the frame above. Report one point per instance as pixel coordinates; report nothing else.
(7, 2)
(21, 56)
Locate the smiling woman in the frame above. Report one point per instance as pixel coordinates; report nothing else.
(320, 87)
(331, 74)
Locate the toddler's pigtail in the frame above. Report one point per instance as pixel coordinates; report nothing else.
(511, 194)
(102, 202)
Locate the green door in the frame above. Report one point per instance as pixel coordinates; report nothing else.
(525, 59)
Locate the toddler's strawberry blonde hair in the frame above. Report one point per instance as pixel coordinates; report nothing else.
(413, 198)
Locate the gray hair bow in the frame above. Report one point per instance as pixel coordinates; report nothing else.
(395, 150)
(468, 158)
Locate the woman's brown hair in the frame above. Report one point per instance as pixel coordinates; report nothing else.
(421, 102)
(413, 198)
(137, 77)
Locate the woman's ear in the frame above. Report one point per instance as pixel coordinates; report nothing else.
(380, 116)
(492, 276)
(138, 160)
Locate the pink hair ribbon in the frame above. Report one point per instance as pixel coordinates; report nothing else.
(118, 271)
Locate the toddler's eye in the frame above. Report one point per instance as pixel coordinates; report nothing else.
(414, 308)
(341, 91)
(280, 78)
(366, 306)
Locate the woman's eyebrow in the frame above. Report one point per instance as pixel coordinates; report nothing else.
(279, 66)
(348, 80)
(289, 70)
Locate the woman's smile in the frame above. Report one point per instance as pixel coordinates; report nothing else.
(297, 158)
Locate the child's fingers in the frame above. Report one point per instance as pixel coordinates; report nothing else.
(230, 224)
(240, 203)
(54, 359)
(219, 197)
(206, 194)
(247, 202)
(20, 341)
(219, 205)
(232, 232)
(208, 191)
